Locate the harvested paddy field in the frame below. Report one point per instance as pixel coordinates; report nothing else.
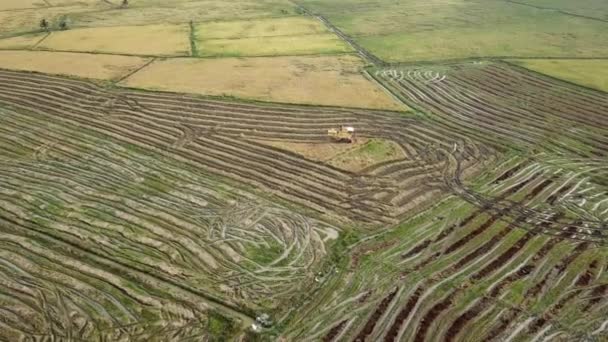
(162, 209)
(95, 66)
(150, 193)
(330, 80)
(159, 40)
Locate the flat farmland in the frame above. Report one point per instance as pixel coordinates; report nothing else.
(442, 29)
(27, 21)
(316, 80)
(21, 42)
(589, 73)
(150, 12)
(163, 40)
(271, 27)
(317, 44)
(595, 9)
(19, 4)
(92, 66)
(268, 37)
(167, 175)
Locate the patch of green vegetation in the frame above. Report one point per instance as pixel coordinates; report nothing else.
(372, 152)
(265, 254)
(193, 40)
(410, 30)
(220, 327)
(592, 73)
(597, 9)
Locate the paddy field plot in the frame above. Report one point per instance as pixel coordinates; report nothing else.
(26, 21)
(19, 4)
(153, 12)
(267, 37)
(313, 44)
(269, 27)
(445, 29)
(597, 9)
(162, 40)
(92, 66)
(589, 73)
(21, 42)
(327, 80)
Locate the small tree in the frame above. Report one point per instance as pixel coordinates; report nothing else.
(44, 24)
(63, 24)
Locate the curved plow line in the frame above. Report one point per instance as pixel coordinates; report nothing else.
(428, 292)
(523, 114)
(77, 288)
(462, 100)
(452, 114)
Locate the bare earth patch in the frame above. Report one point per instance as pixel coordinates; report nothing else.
(327, 80)
(104, 67)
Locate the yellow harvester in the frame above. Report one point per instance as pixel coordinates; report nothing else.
(345, 134)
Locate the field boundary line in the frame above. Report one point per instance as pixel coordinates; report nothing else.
(365, 54)
(40, 41)
(136, 70)
(193, 47)
(367, 75)
(556, 10)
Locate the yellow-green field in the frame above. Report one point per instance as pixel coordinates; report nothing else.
(148, 12)
(323, 80)
(589, 73)
(267, 37)
(96, 66)
(287, 26)
(313, 44)
(163, 40)
(21, 42)
(412, 30)
(26, 21)
(18, 4)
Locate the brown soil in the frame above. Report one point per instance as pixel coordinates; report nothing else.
(335, 331)
(393, 331)
(373, 319)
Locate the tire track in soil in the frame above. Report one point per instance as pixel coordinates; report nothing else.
(502, 259)
(373, 319)
(335, 331)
